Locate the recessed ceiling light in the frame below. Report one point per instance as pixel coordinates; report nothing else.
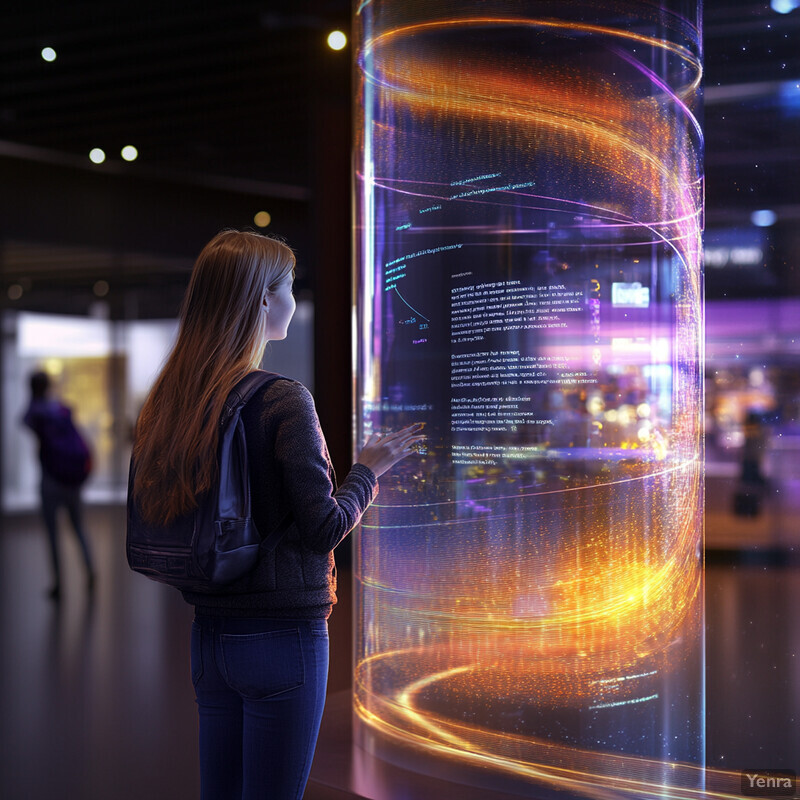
(97, 156)
(262, 219)
(48, 54)
(129, 152)
(336, 40)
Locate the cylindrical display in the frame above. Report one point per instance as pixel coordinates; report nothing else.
(528, 284)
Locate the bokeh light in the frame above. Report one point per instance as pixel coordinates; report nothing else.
(337, 40)
(784, 6)
(764, 218)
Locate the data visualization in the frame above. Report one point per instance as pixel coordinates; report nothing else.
(528, 271)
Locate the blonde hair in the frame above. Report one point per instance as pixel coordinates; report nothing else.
(221, 338)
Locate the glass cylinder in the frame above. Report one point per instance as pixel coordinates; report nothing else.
(528, 279)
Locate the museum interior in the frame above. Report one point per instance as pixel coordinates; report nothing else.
(131, 133)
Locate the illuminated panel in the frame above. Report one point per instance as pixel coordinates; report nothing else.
(528, 273)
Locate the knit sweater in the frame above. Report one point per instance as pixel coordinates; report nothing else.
(291, 471)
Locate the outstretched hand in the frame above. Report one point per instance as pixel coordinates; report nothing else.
(383, 450)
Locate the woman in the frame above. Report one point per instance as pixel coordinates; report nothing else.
(259, 648)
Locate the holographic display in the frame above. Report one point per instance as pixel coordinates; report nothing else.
(528, 272)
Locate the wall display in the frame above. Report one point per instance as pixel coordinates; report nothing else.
(528, 284)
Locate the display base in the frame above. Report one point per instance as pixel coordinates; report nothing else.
(369, 767)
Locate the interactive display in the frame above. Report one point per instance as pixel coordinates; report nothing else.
(528, 275)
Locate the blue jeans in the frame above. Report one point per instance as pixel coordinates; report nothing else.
(260, 687)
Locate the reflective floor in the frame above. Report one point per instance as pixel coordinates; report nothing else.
(96, 702)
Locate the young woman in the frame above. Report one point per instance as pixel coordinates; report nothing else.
(260, 648)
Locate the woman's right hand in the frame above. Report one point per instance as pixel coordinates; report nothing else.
(383, 450)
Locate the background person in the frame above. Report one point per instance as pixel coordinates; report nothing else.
(66, 462)
(750, 492)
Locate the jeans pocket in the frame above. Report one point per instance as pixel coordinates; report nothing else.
(197, 653)
(260, 665)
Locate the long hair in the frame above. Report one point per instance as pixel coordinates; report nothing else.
(221, 338)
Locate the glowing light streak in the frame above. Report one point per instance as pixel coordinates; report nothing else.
(690, 217)
(590, 774)
(514, 22)
(409, 305)
(583, 783)
(675, 468)
(627, 677)
(656, 81)
(625, 702)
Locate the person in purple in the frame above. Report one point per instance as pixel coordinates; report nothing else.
(66, 462)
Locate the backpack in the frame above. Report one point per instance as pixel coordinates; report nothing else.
(218, 541)
(64, 452)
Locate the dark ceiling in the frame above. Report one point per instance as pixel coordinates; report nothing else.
(219, 89)
(218, 98)
(752, 109)
(221, 96)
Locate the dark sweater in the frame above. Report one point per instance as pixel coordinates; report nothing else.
(290, 471)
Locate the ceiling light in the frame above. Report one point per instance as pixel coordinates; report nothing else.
(262, 219)
(336, 40)
(48, 54)
(784, 6)
(129, 152)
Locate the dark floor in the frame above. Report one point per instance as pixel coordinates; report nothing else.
(96, 703)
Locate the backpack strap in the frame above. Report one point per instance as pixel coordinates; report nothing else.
(238, 397)
(241, 393)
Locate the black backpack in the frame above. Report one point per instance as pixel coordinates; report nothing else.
(218, 542)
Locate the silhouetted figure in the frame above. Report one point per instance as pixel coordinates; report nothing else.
(66, 463)
(747, 500)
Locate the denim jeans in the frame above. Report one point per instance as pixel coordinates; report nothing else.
(260, 687)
